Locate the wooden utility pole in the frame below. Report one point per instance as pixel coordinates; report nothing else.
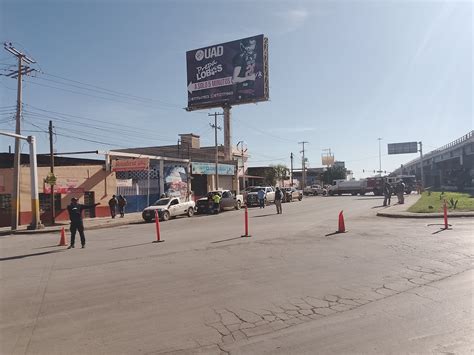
(216, 127)
(15, 202)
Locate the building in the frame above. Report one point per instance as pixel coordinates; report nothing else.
(202, 164)
(86, 179)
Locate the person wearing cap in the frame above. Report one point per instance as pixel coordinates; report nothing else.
(75, 215)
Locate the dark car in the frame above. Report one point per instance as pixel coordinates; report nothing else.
(292, 194)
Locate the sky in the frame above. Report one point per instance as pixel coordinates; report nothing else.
(112, 74)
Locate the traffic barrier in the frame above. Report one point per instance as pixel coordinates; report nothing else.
(246, 219)
(62, 240)
(445, 208)
(157, 224)
(342, 227)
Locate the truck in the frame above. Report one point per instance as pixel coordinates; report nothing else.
(375, 184)
(229, 201)
(314, 190)
(408, 180)
(167, 208)
(352, 187)
(252, 195)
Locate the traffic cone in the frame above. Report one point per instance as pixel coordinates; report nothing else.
(62, 241)
(342, 227)
(445, 210)
(157, 225)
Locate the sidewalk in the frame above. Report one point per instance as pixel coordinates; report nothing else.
(400, 211)
(89, 223)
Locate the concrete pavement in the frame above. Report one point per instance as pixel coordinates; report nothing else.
(206, 290)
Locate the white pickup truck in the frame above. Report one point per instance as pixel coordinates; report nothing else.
(168, 208)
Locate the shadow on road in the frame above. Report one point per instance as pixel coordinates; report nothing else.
(130, 246)
(226, 240)
(28, 255)
(48, 246)
(380, 206)
(265, 215)
(333, 233)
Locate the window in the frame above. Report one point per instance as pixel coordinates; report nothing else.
(226, 194)
(174, 202)
(45, 202)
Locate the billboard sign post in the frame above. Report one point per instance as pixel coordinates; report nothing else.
(228, 74)
(406, 148)
(403, 148)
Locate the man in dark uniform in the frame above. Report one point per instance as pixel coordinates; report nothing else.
(244, 70)
(75, 215)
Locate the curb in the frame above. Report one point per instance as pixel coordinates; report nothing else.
(423, 215)
(66, 226)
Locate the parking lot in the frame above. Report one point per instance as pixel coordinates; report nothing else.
(207, 290)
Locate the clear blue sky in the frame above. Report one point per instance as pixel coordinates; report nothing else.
(342, 74)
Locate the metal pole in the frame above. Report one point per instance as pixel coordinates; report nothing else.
(16, 162)
(148, 187)
(217, 151)
(291, 171)
(380, 157)
(51, 152)
(227, 133)
(421, 162)
(35, 218)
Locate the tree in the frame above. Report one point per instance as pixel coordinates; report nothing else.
(334, 173)
(276, 173)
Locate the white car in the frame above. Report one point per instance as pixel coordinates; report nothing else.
(168, 208)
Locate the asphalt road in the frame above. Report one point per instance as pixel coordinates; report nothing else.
(385, 286)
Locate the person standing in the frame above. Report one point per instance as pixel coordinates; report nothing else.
(122, 202)
(75, 215)
(261, 198)
(387, 193)
(113, 206)
(278, 198)
(217, 202)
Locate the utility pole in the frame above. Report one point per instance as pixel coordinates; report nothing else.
(15, 202)
(421, 162)
(242, 151)
(227, 133)
(303, 165)
(380, 158)
(216, 127)
(291, 169)
(51, 170)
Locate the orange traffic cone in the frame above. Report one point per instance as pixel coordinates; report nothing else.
(342, 227)
(157, 226)
(62, 241)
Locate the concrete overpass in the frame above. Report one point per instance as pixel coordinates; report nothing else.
(451, 165)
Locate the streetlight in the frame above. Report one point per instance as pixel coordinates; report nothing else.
(380, 158)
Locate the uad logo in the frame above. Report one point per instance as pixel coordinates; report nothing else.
(209, 53)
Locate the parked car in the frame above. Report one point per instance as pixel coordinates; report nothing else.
(314, 190)
(228, 201)
(292, 194)
(252, 195)
(168, 208)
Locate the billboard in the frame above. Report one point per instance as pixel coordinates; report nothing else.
(327, 160)
(230, 73)
(402, 148)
